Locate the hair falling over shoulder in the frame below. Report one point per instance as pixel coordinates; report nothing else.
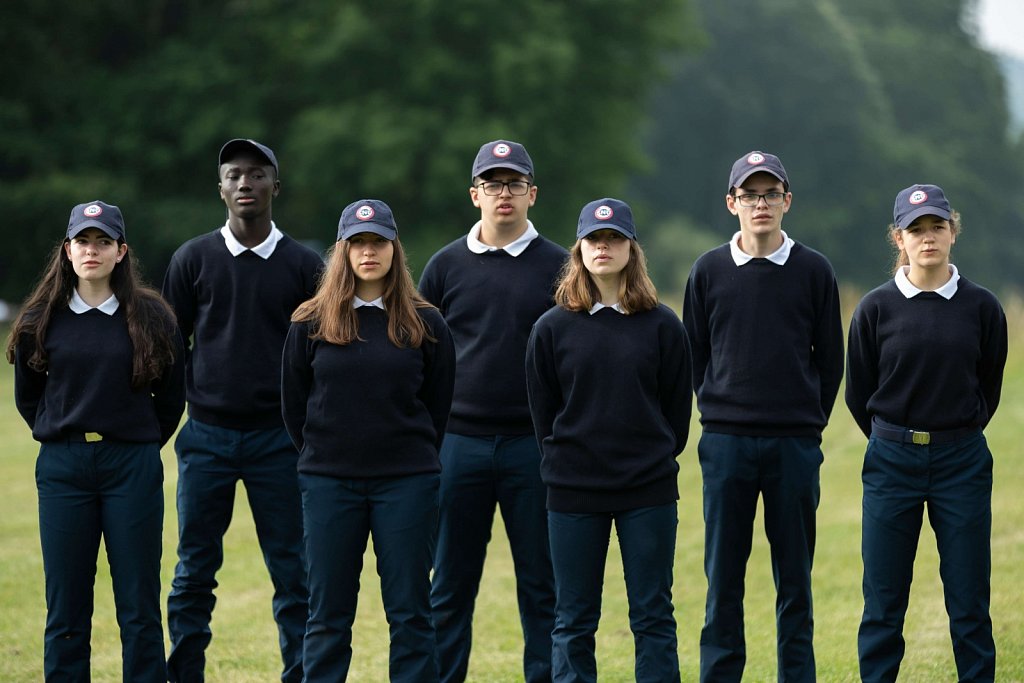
(577, 291)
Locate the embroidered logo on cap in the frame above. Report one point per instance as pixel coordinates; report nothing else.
(918, 197)
(603, 213)
(93, 210)
(755, 159)
(365, 212)
(501, 150)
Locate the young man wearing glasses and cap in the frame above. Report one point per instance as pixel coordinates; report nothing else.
(762, 313)
(491, 286)
(234, 291)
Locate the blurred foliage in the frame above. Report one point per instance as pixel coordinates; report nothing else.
(130, 102)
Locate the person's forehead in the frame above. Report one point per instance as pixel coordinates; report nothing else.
(246, 159)
(506, 174)
(761, 180)
(92, 232)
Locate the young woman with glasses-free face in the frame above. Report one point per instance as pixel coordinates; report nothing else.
(608, 373)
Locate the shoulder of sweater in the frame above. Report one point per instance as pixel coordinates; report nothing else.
(200, 245)
(802, 252)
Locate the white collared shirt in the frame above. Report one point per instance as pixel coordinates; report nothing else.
(514, 248)
(778, 257)
(264, 249)
(908, 289)
(78, 305)
(378, 302)
(598, 306)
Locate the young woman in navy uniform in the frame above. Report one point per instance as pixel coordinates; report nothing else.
(608, 377)
(368, 375)
(99, 377)
(925, 368)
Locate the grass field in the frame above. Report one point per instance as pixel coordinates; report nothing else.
(244, 647)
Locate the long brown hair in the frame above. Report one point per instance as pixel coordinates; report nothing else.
(901, 259)
(333, 318)
(577, 290)
(151, 322)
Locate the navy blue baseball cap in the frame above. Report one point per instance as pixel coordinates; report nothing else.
(97, 214)
(231, 149)
(757, 162)
(502, 154)
(607, 213)
(367, 215)
(919, 200)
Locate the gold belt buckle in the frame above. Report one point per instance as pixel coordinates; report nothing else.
(93, 436)
(921, 438)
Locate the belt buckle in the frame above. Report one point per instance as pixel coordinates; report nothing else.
(921, 438)
(92, 436)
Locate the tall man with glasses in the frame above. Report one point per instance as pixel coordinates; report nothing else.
(491, 286)
(762, 313)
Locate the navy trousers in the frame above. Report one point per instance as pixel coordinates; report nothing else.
(954, 481)
(579, 549)
(114, 491)
(400, 515)
(211, 462)
(784, 472)
(478, 473)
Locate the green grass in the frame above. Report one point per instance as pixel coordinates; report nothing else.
(244, 647)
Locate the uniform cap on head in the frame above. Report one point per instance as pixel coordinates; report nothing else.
(231, 149)
(97, 214)
(757, 162)
(919, 200)
(606, 213)
(367, 215)
(502, 154)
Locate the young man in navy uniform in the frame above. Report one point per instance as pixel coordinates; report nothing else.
(490, 287)
(762, 314)
(234, 290)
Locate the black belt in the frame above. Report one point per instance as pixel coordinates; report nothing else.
(84, 436)
(891, 432)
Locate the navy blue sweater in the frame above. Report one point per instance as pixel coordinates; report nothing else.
(610, 399)
(87, 384)
(236, 310)
(369, 408)
(926, 363)
(767, 343)
(490, 301)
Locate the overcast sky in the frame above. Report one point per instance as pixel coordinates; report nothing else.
(1001, 23)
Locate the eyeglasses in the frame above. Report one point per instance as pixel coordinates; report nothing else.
(770, 198)
(517, 188)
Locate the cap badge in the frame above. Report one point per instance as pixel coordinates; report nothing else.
(603, 212)
(93, 210)
(918, 197)
(501, 150)
(365, 212)
(755, 159)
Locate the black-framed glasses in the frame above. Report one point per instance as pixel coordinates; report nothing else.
(492, 188)
(770, 198)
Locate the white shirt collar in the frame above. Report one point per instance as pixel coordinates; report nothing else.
(908, 289)
(515, 248)
(78, 305)
(778, 257)
(598, 306)
(378, 302)
(264, 249)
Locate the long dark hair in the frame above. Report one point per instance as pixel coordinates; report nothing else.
(577, 290)
(332, 317)
(151, 322)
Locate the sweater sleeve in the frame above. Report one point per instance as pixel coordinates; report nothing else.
(674, 380)
(827, 351)
(169, 391)
(296, 381)
(993, 356)
(430, 285)
(29, 384)
(862, 370)
(696, 323)
(542, 387)
(178, 291)
(438, 376)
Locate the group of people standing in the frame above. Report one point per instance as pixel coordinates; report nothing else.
(550, 384)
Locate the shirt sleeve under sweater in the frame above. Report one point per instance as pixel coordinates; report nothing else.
(610, 399)
(767, 343)
(490, 301)
(87, 384)
(369, 408)
(926, 363)
(235, 311)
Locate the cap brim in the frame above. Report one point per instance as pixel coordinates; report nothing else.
(109, 231)
(233, 147)
(384, 231)
(922, 211)
(580, 234)
(742, 179)
(512, 167)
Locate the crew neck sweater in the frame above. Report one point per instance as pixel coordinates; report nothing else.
(926, 363)
(87, 383)
(368, 408)
(610, 400)
(767, 343)
(235, 310)
(490, 301)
